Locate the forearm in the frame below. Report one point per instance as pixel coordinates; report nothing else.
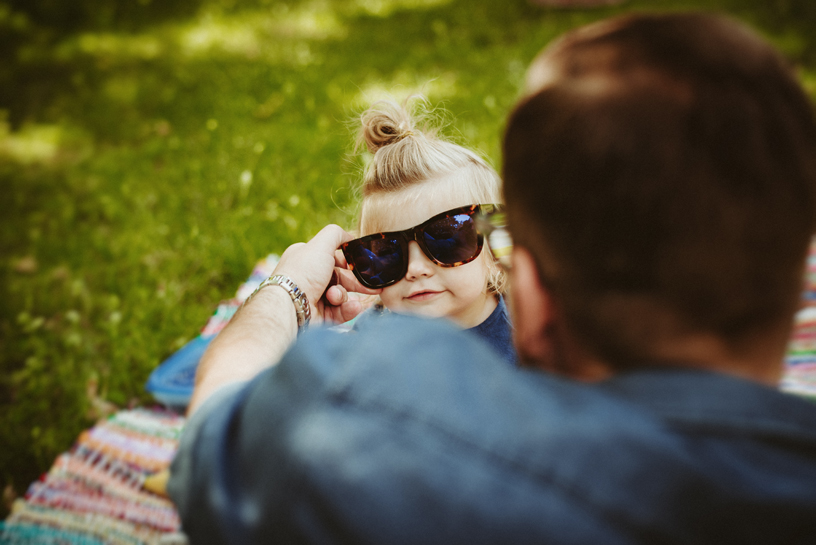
(254, 340)
(262, 330)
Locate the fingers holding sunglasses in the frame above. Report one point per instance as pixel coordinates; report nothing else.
(311, 265)
(340, 259)
(330, 306)
(344, 298)
(337, 293)
(349, 282)
(343, 312)
(338, 305)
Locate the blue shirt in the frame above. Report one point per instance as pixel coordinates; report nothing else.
(496, 330)
(430, 441)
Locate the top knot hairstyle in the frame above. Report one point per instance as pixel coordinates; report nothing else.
(383, 124)
(407, 152)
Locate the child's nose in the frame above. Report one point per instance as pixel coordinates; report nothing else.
(418, 263)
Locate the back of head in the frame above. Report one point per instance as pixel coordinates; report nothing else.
(661, 171)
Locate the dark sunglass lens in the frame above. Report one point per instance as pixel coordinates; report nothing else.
(378, 262)
(452, 239)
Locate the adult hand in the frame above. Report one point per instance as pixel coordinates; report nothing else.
(321, 271)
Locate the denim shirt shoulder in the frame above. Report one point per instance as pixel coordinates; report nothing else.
(410, 432)
(708, 402)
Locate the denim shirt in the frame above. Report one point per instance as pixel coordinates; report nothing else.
(409, 432)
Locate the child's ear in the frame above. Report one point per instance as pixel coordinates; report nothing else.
(496, 277)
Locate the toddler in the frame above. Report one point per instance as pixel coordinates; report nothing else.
(423, 203)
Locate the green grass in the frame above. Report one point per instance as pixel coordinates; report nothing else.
(150, 153)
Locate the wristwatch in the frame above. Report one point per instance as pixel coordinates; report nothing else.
(302, 309)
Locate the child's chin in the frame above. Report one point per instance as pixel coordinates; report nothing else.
(425, 311)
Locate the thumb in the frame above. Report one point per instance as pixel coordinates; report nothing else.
(336, 295)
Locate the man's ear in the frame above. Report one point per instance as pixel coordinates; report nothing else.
(534, 311)
(540, 334)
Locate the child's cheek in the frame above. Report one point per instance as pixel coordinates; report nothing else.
(391, 297)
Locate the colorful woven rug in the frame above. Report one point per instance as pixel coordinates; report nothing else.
(95, 493)
(800, 368)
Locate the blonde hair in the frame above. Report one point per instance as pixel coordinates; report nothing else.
(407, 152)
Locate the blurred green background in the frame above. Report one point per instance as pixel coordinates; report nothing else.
(151, 151)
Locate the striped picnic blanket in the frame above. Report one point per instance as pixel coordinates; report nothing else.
(95, 493)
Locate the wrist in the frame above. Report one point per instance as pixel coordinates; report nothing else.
(298, 297)
(254, 340)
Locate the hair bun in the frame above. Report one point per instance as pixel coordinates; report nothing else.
(385, 123)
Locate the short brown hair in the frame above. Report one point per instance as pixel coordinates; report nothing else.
(664, 178)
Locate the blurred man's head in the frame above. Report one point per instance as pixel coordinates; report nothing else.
(661, 175)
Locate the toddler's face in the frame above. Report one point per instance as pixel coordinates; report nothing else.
(459, 293)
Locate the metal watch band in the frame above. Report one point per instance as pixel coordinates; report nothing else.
(302, 309)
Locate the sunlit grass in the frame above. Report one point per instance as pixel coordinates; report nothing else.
(105, 44)
(262, 33)
(404, 83)
(808, 77)
(32, 144)
(259, 33)
(384, 8)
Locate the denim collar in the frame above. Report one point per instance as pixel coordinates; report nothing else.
(714, 402)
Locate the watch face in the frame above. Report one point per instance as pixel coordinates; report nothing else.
(304, 313)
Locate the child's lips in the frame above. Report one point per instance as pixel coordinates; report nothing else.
(424, 295)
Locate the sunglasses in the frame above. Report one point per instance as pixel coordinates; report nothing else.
(449, 239)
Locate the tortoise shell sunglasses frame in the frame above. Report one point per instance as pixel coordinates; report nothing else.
(381, 259)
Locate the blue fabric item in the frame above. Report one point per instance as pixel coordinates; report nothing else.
(171, 383)
(431, 441)
(498, 332)
(497, 329)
